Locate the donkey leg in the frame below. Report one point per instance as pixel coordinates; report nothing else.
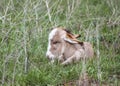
(69, 60)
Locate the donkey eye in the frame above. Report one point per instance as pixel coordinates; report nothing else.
(56, 42)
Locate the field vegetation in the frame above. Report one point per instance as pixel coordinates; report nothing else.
(24, 29)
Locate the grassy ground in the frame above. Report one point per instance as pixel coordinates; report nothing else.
(24, 28)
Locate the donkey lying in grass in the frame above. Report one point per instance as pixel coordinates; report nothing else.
(64, 46)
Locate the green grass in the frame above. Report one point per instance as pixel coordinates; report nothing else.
(24, 29)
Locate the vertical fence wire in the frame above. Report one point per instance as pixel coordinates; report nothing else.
(25, 38)
(98, 55)
(2, 42)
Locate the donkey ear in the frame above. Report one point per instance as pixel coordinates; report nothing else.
(69, 32)
(71, 39)
(77, 35)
